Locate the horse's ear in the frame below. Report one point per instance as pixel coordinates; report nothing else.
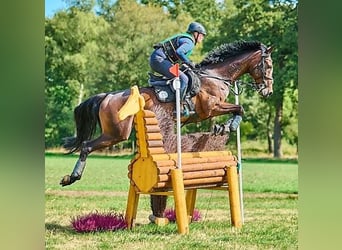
(269, 50)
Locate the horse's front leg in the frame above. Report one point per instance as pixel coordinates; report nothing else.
(233, 123)
(228, 108)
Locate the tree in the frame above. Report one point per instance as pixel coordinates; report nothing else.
(134, 28)
(72, 65)
(91, 50)
(273, 23)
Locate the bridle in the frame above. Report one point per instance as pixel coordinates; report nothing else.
(258, 87)
(261, 66)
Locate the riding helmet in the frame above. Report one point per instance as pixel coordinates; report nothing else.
(195, 26)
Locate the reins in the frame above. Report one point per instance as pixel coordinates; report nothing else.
(230, 83)
(258, 87)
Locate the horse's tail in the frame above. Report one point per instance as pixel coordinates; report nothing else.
(86, 117)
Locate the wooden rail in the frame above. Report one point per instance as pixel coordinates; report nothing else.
(153, 171)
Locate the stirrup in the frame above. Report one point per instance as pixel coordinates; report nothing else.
(184, 112)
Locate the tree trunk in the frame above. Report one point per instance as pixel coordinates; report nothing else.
(277, 129)
(80, 97)
(269, 132)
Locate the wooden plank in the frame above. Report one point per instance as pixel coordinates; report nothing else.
(165, 170)
(194, 175)
(164, 178)
(152, 128)
(203, 181)
(220, 158)
(195, 183)
(151, 120)
(155, 143)
(204, 174)
(201, 166)
(158, 150)
(149, 113)
(165, 163)
(154, 136)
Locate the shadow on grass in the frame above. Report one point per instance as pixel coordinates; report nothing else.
(58, 228)
(75, 155)
(271, 160)
(130, 156)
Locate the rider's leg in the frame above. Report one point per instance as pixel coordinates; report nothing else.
(187, 109)
(161, 65)
(184, 85)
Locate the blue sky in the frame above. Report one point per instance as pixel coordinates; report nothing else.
(51, 6)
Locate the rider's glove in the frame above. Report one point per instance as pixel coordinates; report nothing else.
(190, 64)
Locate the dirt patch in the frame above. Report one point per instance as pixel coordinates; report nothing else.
(73, 193)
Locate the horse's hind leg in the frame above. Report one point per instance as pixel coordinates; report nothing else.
(87, 147)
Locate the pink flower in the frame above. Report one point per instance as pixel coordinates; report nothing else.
(99, 222)
(170, 214)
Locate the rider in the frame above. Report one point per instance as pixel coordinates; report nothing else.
(177, 49)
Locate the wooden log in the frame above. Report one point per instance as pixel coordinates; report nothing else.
(180, 203)
(221, 158)
(160, 157)
(186, 161)
(164, 178)
(210, 181)
(153, 147)
(212, 153)
(148, 113)
(166, 169)
(152, 128)
(203, 181)
(151, 120)
(165, 163)
(201, 167)
(155, 143)
(204, 174)
(159, 150)
(195, 175)
(154, 136)
(234, 197)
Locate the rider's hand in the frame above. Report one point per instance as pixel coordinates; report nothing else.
(191, 64)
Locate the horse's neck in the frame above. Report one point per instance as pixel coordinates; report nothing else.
(231, 69)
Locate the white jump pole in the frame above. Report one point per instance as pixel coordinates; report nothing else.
(176, 83)
(238, 144)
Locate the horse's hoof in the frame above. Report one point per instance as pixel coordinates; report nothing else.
(216, 129)
(65, 181)
(235, 123)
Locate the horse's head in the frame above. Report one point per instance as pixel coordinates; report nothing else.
(261, 70)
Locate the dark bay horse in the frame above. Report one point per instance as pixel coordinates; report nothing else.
(217, 72)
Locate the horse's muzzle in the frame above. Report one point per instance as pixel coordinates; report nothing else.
(266, 93)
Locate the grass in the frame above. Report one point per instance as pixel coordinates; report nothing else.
(270, 209)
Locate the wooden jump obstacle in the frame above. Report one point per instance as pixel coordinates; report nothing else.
(153, 171)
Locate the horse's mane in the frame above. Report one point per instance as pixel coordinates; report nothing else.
(227, 50)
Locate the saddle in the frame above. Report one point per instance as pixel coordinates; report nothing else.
(165, 91)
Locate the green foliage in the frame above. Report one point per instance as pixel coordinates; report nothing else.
(89, 51)
(72, 66)
(273, 23)
(58, 114)
(127, 47)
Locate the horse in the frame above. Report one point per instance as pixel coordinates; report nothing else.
(217, 72)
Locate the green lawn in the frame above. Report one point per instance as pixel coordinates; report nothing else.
(270, 209)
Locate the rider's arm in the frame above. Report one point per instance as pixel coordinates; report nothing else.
(186, 45)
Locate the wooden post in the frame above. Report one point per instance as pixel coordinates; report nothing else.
(132, 206)
(180, 204)
(234, 198)
(190, 202)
